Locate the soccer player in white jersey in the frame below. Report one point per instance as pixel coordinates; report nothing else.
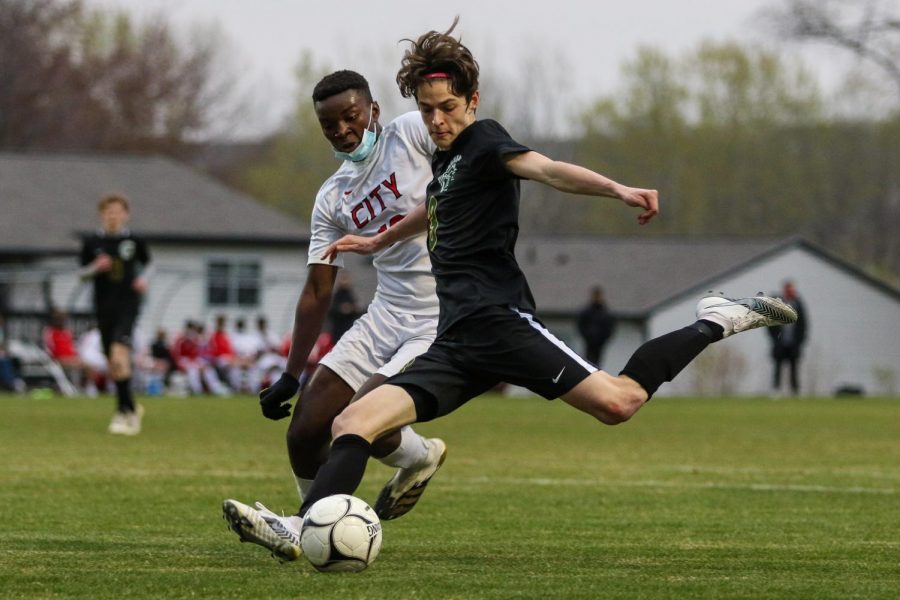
(383, 176)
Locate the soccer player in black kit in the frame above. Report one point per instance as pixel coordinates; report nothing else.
(117, 262)
(487, 330)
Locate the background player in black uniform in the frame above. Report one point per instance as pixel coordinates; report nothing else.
(117, 262)
(487, 330)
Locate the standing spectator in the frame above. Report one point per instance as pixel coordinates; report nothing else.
(117, 262)
(344, 309)
(788, 340)
(596, 326)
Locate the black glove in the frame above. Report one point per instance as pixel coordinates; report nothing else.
(275, 399)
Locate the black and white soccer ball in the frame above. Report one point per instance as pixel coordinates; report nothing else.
(340, 533)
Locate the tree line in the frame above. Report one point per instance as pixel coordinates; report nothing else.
(739, 140)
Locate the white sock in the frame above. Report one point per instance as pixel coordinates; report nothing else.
(303, 486)
(412, 452)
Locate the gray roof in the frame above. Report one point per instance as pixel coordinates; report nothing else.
(48, 200)
(636, 274)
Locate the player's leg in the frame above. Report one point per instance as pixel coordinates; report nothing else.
(308, 437)
(416, 458)
(433, 385)
(661, 359)
(309, 433)
(382, 410)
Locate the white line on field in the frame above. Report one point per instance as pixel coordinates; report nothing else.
(650, 483)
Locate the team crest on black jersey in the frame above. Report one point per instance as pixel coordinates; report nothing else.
(127, 249)
(447, 178)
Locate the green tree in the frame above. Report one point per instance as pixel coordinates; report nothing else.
(299, 160)
(78, 78)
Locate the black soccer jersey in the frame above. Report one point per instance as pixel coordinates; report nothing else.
(473, 223)
(113, 291)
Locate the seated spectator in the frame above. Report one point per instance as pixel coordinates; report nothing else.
(245, 375)
(93, 359)
(273, 358)
(219, 348)
(191, 357)
(163, 361)
(10, 379)
(59, 342)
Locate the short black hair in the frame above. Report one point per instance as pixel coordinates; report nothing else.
(338, 82)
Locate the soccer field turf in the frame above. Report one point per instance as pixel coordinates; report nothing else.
(691, 499)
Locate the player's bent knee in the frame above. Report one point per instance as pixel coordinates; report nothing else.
(616, 412)
(119, 370)
(348, 423)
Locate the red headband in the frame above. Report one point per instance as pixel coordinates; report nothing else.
(436, 75)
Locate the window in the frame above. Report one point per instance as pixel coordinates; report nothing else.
(233, 282)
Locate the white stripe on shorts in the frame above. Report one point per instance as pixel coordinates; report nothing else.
(556, 341)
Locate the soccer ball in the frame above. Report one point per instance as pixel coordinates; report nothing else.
(340, 533)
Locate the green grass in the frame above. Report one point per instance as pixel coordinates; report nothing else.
(691, 499)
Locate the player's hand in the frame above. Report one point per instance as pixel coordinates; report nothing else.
(102, 263)
(355, 243)
(275, 399)
(139, 285)
(641, 198)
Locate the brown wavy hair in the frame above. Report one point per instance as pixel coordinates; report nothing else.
(113, 198)
(436, 52)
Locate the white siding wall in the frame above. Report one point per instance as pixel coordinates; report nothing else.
(854, 331)
(178, 289)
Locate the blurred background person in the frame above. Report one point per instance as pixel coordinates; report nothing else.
(90, 351)
(219, 347)
(596, 326)
(788, 340)
(119, 265)
(244, 374)
(10, 379)
(344, 309)
(59, 342)
(273, 354)
(190, 354)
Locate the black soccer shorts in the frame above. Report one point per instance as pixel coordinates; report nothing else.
(116, 327)
(496, 344)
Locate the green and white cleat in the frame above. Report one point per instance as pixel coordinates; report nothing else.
(263, 528)
(403, 491)
(742, 314)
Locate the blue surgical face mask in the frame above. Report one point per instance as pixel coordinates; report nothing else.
(364, 149)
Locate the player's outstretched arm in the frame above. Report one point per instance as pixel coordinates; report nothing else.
(412, 224)
(309, 317)
(574, 179)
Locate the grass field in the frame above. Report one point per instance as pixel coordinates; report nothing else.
(691, 499)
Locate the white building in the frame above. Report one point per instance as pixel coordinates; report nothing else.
(218, 251)
(214, 250)
(652, 286)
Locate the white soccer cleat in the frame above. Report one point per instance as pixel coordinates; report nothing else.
(118, 425)
(741, 314)
(133, 420)
(401, 493)
(264, 528)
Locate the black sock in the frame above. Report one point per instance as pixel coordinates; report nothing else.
(123, 395)
(343, 471)
(661, 359)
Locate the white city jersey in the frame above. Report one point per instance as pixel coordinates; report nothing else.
(367, 197)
